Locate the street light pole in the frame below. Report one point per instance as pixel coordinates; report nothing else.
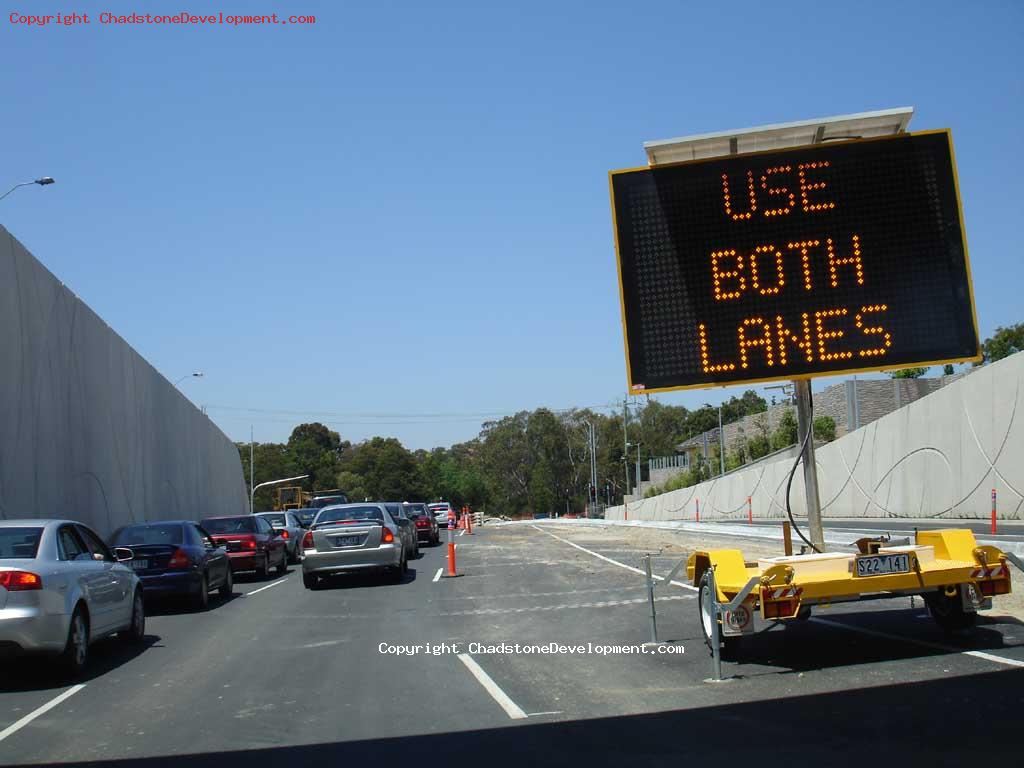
(252, 495)
(196, 375)
(42, 182)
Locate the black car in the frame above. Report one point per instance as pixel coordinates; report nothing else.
(176, 558)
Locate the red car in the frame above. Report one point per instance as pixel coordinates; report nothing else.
(426, 525)
(251, 542)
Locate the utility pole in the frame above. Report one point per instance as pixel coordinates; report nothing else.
(805, 429)
(721, 442)
(252, 468)
(625, 451)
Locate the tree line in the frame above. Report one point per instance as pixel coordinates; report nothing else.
(531, 462)
(538, 461)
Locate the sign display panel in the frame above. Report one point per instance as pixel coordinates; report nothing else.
(830, 258)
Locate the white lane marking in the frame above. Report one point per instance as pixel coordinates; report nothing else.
(321, 644)
(462, 533)
(511, 708)
(257, 591)
(538, 714)
(11, 729)
(924, 643)
(437, 576)
(609, 560)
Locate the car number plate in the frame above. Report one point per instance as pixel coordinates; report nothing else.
(878, 565)
(140, 565)
(345, 541)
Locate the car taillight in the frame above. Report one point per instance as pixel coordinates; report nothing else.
(283, 534)
(250, 544)
(307, 540)
(20, 581)
(179, 559)
(387, 536)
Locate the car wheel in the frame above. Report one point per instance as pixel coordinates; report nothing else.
(228, 587)
(263, 570)
(310, 580)
(730, 646)
(202, 599)
(136, 631)
(948, 612)
(76, 650)
(282, 567)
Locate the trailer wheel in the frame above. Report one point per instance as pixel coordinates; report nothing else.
(730, 645)
(949, 612)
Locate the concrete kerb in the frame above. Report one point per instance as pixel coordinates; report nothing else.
(770, 532)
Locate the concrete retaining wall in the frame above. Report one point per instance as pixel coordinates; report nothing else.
(88, 429)
(939, 456)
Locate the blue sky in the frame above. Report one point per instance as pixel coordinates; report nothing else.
(403, 209)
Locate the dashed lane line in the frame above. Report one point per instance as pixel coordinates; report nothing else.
(17, 726)
(437, 576)
(269, 586)
(511, 708)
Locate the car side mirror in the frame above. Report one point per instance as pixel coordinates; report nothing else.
(123, 554)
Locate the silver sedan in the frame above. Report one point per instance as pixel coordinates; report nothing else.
(353, 537)
(62, 588)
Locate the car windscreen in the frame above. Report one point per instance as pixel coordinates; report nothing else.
(137, 535)
(415, 510)
(326, 501)
(278, 520)
(345, 514)
(19, 543)
(229, 525)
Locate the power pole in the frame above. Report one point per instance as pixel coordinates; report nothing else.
(625, 448)
(805, 429)
(252, 468)
(721, 442)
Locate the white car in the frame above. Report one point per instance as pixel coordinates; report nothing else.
(440, 511)
(62, 589)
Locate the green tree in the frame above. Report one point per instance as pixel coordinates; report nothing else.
(908, 373)
(825, 429)
(947, 370)
(387, 469)
(1003, 343)
(316, 451)
(785, 433)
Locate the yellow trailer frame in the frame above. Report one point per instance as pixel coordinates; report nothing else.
(947, 567)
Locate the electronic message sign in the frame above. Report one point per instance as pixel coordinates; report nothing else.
(829, 258)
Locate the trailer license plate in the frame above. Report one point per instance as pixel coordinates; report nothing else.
(878, 565)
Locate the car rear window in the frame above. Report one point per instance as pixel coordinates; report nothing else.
(440, 507)
(306, 517)
(326, 501)
(275, 519)
(369, 514)
(229, 525)
(132, 535)
(19, 543)
(415, 510)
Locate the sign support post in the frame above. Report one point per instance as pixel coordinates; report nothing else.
(805, 425)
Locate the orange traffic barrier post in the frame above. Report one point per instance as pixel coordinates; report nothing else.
(452, 572)
(750, 512)
(697, 503)
(993, 510)
(469, 522)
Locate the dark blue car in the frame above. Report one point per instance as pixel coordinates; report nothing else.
(176, 558)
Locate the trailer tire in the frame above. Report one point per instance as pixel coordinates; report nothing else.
(948, 612)
(730, 645)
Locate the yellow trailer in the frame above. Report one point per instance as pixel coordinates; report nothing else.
(953, 574)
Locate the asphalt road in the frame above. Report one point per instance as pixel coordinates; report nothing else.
(281, 675)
